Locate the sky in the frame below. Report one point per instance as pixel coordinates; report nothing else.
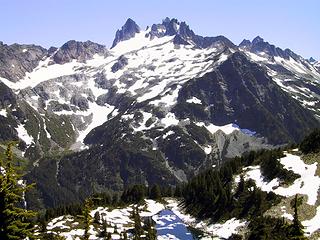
(290, 24)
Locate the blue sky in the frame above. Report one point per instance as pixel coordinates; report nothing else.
(288, 24)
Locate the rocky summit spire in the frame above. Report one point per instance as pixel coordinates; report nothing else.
(257, 40)
(128, 30)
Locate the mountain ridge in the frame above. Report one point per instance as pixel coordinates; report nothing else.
(177, 100)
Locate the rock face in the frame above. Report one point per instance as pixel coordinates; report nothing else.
(128, 30)
(16, 60)
(240, 91)
(81, 51)
(120, 64)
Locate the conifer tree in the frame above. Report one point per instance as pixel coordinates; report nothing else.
(87, 218)
(296, 227)
(151, 231)
(125, 235)
(104, 226)
(15, 221)
(155, 192)
(138, 230)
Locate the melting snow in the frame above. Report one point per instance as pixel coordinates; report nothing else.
(254, 173)
(308, 184)
(207, 149)
(224, 230)
(3, 112)
(169, 119)
(313, 224)
(23, 134)
(168, 134)
(99, 116)
(194, 100)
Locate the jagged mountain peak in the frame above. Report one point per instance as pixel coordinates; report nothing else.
(127, 31)
(169, 27)
(257, 40)
(245, 43)
(259, 46)
(77, 50)
(312, 60)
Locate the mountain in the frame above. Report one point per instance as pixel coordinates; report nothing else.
(159, 106)
(16, 60)
(291, 72)
(128, 30)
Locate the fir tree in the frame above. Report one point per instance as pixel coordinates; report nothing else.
(87, 218)
(138, 231)
(97, 217)
(296, 229)
(125, 235)
(151, 231)
(104, 226)
(109, 237)
(15, 221)
(155, 192)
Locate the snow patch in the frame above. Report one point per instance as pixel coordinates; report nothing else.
(308, 184)
(99, 116)
(23, 135)
(167, 134)
(207, 149)
(3, 112)
(169, 119)
(194, 100)
(313, 224)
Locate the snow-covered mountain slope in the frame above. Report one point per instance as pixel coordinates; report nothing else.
(144, 67)
(180, 101)
(294, 74)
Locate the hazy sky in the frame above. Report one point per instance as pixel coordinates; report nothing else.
(290, 24)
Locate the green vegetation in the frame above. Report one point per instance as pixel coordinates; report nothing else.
(15, 220)
(264, 227)
(210, 195)
(272, 168)
(311, 143)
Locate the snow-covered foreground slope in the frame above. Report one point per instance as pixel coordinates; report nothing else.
(171, 223)
(308, 184)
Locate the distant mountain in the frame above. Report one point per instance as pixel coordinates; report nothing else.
(159, 106)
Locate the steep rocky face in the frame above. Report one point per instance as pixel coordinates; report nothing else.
(128, 30)
(16, 60)
(295, 75)
(7, 126)
(81, 51)
(241, 92)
